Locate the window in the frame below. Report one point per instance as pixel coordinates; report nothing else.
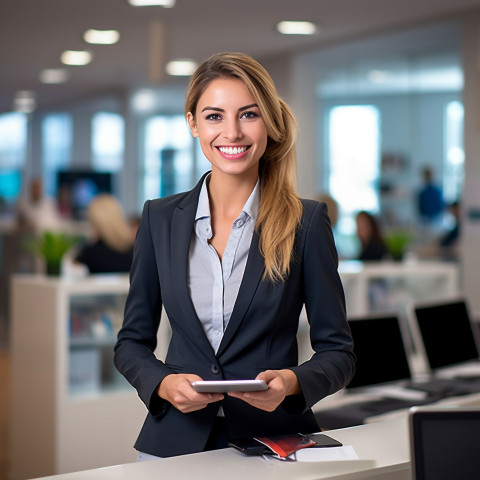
(169, 156)
(57, 134)
(453, 171)
(353, 166)
(107, 142)
(13, 153)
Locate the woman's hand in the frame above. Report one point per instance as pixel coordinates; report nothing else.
(177, 389)
(281, 383)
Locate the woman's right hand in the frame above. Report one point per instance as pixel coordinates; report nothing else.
(177, 389)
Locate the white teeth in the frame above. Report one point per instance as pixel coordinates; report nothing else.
(232, 150)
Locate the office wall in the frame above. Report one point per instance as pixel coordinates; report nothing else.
(471, 202)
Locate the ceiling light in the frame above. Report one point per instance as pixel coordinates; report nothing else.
(53, 75)
(76, 57)
(24, 101)
(150, 3)
(296, 28)
(181, 67)
(101, 37)
(143, 100)
(377, 76)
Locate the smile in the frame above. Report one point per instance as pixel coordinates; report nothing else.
(233, 150)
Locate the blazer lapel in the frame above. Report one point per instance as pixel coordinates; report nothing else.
(251, 278)
(182, 226)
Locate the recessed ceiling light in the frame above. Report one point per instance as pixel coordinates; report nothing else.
(296, 28)
(377, 76)
(24, 101)
(101, 37)
(150, 3)
(53, 75)
(181, 67)
(76, 57)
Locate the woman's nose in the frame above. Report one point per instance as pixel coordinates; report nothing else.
(232, 130)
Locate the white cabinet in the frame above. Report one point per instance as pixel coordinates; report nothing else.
(71, 409)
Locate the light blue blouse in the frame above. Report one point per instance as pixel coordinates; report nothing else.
(214, 283)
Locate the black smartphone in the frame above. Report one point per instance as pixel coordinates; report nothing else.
(322, 440)
(249, 446)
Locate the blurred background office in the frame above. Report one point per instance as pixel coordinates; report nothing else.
(91, 103)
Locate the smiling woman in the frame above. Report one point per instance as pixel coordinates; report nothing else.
(231, 129)
(233, 262)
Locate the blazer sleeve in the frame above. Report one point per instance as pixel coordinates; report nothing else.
(137, 339)
(333, 363)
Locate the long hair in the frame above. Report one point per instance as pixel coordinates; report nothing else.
(109, 223)
(280, 208)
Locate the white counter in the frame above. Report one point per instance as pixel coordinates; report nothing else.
(383, 450)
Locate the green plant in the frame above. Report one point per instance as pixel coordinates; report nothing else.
(52, 246)
(396, 241)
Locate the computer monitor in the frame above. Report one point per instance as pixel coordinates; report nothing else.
(444, 443)
(447, 334)
(10, 186)
(380, 349)
(78, 187)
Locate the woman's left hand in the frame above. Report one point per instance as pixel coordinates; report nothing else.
(281, 383)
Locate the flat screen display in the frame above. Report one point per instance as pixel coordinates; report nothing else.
(380, 351)
(76, 188)
(447, 334)
(444, 444)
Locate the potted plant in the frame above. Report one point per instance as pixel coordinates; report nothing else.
(396, 241)
(52, 246)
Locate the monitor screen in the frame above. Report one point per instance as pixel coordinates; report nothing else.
(10, 186)
(447, 335)
(76, 188)
(380, 351)
(444, 444)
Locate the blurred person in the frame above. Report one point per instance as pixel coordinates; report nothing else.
(373, 246)
(37, 212)
(111, 250)
(233, 261)
(445, 246)
(450, 238)
(430, 198)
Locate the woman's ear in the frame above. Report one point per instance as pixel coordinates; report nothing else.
(191, 124)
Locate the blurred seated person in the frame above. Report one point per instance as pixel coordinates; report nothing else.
(37, 212)
(112, 249)
(445, 247)
(450, 238)
(368, 231)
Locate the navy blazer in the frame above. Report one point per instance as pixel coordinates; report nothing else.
(261, 333)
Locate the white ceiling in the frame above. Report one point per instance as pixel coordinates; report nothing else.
(33, 33)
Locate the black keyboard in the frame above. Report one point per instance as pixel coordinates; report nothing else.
(443, 387)
(385, 405)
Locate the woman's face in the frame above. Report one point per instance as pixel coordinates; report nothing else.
(232, 133)
(364, 231)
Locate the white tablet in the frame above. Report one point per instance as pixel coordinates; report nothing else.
(221, 386)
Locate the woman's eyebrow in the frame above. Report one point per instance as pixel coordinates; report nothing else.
(241, 109)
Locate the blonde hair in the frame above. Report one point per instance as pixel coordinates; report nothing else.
(109, 223)
(280, 208)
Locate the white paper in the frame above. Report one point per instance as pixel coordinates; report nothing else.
(326, 454)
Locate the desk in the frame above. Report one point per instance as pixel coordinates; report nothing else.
(383, 449)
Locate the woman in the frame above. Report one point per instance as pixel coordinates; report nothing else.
(233, 261)
(112, 249)
(373, 247)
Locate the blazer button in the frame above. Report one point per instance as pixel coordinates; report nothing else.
(215, 369)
